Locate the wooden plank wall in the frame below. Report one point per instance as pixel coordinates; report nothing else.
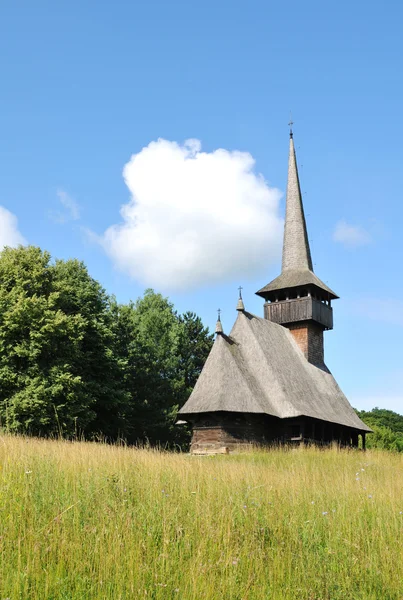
(299, 309)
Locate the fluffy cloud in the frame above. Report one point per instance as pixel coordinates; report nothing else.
(350, 235)
(9, 233)
(194, 217)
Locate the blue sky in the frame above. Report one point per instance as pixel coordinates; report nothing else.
(87, 85)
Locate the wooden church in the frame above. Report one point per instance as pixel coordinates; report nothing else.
(267, 382)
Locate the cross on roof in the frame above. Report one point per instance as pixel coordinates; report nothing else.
(240, 291)
(219, 314)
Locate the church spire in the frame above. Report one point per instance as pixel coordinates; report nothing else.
(218, 325)
(296, 251)
(297, 277)
(240, 306)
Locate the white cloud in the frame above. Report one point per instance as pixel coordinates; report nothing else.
(9, 233)
(71, 210)
(351, 235)
(194, 217)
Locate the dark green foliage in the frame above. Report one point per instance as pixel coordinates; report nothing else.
(72, 361)
(383, 418)
(165, 354)
(195, 343)
(387, 426)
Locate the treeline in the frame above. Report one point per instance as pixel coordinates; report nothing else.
(387, 428)
(74, 362)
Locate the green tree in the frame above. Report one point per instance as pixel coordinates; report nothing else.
(58, 372)
(74, 361)
(385, 438)
(164, 355)
(387, 428)
(195, 343)
(96, 360)
(148, 332)
(383, 418)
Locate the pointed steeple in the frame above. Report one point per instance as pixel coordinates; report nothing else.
(296, 251)
(218, 325)
(240, 305)
(297, 268)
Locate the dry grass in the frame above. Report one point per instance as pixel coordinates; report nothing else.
(101, 522)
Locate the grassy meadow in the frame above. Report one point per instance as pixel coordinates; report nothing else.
(91, 521)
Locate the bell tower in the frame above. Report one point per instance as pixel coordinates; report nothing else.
(297, 298)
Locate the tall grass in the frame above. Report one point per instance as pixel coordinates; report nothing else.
(93, 521)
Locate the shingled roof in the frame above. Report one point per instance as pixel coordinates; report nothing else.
(259, 368)
(297, 268)
(295, 279)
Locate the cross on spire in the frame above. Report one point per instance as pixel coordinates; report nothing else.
(290, 124)
(240, 305)
(218, 326)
